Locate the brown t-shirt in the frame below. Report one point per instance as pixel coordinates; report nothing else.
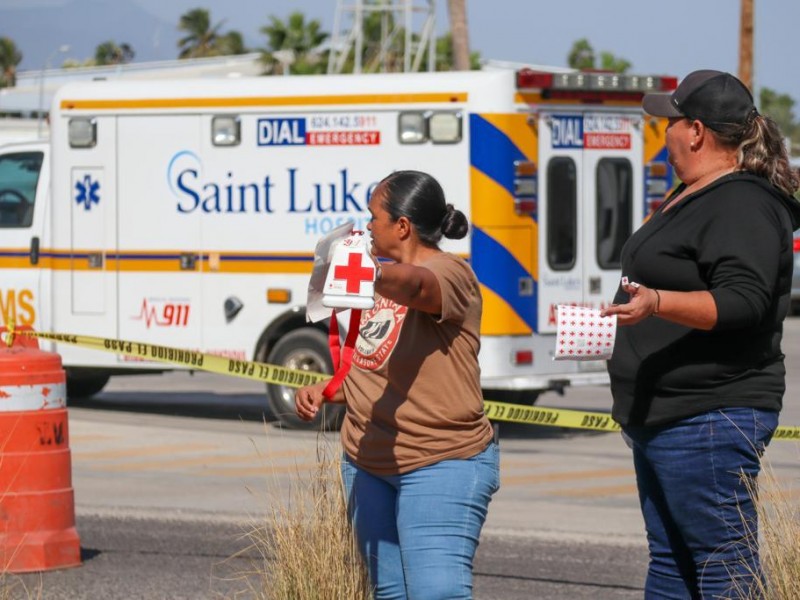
(413, 393)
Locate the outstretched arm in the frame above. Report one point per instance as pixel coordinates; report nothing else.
(410, 285)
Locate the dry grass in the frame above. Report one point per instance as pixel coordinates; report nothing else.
(306, 548)
(14, 588)
(779, 534)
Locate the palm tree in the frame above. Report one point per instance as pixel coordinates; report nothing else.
(458, 26)
(201, 38)
(444, 55)
(10, 57)
(110, 53)
(231, 43)
(294, 37)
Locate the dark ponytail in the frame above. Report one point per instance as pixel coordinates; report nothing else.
(418, 197)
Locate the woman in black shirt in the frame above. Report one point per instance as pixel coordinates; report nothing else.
(697, 374)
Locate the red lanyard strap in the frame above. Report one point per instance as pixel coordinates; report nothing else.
(342, 357)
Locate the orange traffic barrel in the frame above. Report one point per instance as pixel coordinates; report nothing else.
(37, 505)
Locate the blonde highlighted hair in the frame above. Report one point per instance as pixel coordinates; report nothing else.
(761, 150)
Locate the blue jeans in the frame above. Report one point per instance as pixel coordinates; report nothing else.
(702, 525)
(418, 531)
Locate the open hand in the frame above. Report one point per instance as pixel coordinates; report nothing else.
(642, 304)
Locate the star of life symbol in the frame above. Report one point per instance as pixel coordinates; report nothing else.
(87, 192)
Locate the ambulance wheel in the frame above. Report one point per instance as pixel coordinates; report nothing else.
(303, 349)
(85, 387)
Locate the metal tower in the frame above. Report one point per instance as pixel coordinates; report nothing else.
(399, 20)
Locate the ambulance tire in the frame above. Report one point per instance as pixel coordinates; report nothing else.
(85, 387)
(304, 349)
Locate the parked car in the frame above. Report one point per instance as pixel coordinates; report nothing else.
(795, 162)
(796, 276)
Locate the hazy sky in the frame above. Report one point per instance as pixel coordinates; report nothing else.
(673, 37)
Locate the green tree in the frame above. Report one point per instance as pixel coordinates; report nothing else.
(231, 43)
(10, 57)
(780, 107)
(111, 53)
(582, 56)
(202, 39)
(609, 62)
(295, 38)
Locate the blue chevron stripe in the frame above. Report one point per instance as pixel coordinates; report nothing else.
(498, 270)
(492, 152)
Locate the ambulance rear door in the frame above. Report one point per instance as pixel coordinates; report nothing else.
(612, 197)
(590, 190)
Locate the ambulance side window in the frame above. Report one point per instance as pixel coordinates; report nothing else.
(19, 174)
(562, 223)
(614, 209)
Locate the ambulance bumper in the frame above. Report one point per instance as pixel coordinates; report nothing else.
(548, 381)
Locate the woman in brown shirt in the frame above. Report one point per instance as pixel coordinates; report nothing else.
(419, 463)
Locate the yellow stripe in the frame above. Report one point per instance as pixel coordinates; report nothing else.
(493, 212)
(271, 266)
(196, 461)
(136, 261)
(492, 204)
(597, 491)
(21, 262)
(655, 135)
(149, 451)
(499, 318)
(520, 243)
(518, 130)
(568, 476)
(263, 101)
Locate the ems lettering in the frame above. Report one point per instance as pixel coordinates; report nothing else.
(17, 306)
(281, 132)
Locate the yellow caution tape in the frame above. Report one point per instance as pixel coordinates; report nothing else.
(556, 417)
(212, 363)
(277, 375)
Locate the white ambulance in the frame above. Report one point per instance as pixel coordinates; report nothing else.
(186, 213)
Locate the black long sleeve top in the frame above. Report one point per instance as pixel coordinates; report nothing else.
(732, 238)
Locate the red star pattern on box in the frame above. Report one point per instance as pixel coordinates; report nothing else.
(582, 334)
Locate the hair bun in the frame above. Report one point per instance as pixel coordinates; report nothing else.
(454, 224)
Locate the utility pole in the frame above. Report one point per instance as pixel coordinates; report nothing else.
(746, 43)
(459, 33)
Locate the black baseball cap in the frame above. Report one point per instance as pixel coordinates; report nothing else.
(717, 99)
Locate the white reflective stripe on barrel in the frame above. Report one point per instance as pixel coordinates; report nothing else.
(39, 396)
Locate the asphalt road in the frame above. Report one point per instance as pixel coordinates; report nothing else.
(170, 471)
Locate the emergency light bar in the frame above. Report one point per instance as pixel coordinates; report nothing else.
(594, 82)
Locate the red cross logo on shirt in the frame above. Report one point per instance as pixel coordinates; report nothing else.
(353, 273)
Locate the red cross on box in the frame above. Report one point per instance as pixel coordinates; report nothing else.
(353, 273)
